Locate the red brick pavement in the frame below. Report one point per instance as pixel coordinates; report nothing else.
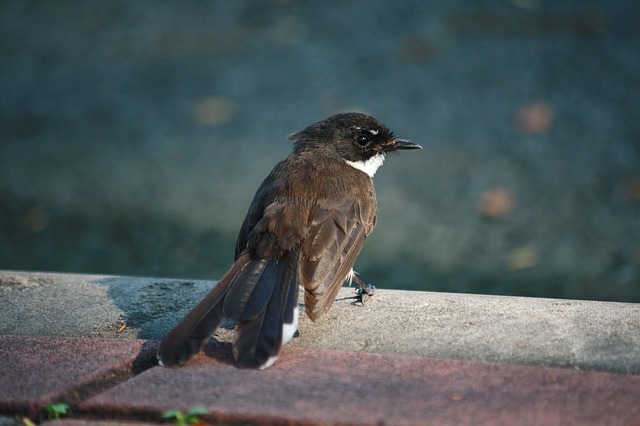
(106, 379)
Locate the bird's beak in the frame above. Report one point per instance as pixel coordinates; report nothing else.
(398, 144)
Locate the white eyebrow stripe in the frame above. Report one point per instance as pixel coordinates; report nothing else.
(374, 132)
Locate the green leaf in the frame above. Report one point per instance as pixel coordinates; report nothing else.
(56, 409)
(171, 414)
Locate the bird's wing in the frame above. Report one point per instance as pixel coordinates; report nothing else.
(255, 213)
(336, 236)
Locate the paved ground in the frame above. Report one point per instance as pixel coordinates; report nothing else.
(404, 358)
(132, 135)
(305, 387)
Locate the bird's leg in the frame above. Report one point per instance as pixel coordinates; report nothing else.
(365, 292)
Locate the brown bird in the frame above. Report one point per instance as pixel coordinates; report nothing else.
(305, 227)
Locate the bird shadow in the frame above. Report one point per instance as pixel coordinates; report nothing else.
(219, 351)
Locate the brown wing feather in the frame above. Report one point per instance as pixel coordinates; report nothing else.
(334, 241)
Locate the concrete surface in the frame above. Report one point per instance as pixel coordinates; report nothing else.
(601, 336)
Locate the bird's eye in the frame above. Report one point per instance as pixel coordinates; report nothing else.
(362, 140)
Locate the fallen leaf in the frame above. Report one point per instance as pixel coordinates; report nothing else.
(535, 118)
(215, 111)
(633, 189)
(522, 258)
(496, 203)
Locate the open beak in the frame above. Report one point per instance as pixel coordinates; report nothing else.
(398, 144)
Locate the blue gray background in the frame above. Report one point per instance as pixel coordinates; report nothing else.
(133, 135)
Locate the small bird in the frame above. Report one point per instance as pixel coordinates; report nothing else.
(305, 227)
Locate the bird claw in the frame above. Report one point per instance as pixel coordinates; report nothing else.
(364, 293)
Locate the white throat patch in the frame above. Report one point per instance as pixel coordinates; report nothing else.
(370, 166)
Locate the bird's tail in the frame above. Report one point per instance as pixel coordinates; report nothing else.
(260, 295)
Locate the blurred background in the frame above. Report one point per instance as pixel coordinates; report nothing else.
(134, 134)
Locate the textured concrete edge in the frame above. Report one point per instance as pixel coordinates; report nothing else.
(578, 334)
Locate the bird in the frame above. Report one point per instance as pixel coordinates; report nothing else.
(304, 228)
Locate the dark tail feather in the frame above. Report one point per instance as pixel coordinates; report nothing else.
(249, 292)
(260, 295)
(269, 311)
(189, 336)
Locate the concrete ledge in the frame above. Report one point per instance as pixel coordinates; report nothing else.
(547, 332)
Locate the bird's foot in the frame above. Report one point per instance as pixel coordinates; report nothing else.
(365, 292)
(364, 295)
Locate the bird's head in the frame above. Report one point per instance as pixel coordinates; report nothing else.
(359, 139)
